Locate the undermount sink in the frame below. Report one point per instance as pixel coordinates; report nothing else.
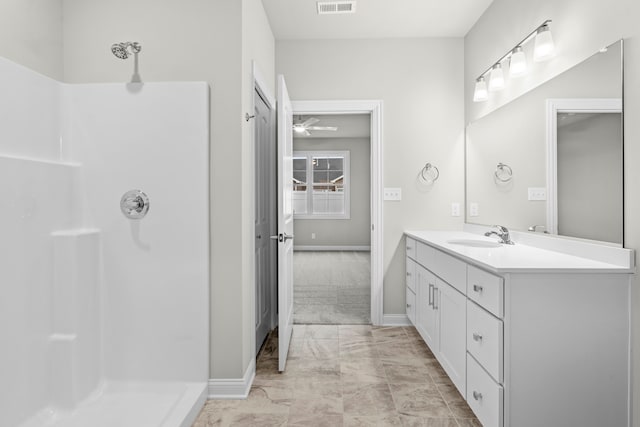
(474, 243)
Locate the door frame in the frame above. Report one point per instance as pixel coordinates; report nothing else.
(374, 108)
(567, 105)
(260, 85)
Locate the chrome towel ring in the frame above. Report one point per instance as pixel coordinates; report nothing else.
(503, 172)
(430, 173)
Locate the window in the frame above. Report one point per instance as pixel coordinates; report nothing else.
(321, 184)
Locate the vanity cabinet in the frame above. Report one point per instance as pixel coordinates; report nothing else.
(527, 340)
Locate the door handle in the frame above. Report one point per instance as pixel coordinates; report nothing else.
(430, 294)
(435, 297)
(282, 237)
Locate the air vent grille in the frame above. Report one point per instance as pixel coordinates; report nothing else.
(333, 7)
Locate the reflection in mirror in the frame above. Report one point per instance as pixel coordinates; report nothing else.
(563, 143)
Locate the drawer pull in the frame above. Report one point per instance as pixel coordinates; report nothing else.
(408, 274)
(477, 337)
(409, 248)
(477, 288)
(477, 395)
(430, 295)
(408, 305)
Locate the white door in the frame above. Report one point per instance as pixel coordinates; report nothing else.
(285, 222)
(451, 354)
(426, 310)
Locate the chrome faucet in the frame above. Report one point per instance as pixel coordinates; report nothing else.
(502, 233)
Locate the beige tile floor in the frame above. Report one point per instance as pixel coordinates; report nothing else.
(346, 375)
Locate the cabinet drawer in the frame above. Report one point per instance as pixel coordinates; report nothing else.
(411, 274)
(484, 396)
(425, 255)
(411, 247)
(485, 340)
(411, 306)
(486, 289)
(451, 270)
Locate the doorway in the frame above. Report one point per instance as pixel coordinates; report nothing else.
(373, 110)
(332, 213)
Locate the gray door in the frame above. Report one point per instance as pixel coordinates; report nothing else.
(265, 224)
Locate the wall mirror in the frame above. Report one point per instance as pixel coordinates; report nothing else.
(551, 161)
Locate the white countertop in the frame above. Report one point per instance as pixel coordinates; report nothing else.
(518, 258)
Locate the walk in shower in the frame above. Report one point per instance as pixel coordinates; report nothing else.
(103, 316)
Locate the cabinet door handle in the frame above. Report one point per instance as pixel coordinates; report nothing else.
(477, 337)
(430, 295)
(477, 288)
(435, 298)
(408, 274)
(477, 395)
(408, 248)
(408, 305)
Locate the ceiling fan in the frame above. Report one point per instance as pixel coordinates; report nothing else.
(303, 128)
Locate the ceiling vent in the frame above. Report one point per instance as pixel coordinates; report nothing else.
(334, 7)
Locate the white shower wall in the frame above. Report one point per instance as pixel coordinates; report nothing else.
(103, 319)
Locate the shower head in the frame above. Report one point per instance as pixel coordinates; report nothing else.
(121, 50)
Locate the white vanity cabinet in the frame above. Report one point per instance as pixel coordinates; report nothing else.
(529, 336)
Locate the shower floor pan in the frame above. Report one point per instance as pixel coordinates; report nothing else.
(129, 404)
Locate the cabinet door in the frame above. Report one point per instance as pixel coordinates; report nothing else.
(451, 308)
(411, 306)
(426, 313)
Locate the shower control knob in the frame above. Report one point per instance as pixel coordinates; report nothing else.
(134, 204)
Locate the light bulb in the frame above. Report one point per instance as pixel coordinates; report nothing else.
(544, 48)
(496, 80)
(518, 64)
(480, 93)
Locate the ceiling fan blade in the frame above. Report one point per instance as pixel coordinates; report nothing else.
(306, 133)
(332, 128)
(310, 121)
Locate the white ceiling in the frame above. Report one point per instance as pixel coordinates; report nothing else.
(349, 125)
(297, 19)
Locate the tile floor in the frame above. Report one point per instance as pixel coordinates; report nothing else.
(332, 287)
(346, 375)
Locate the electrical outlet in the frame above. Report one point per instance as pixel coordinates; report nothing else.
(537, 193)
(393, 194)
(455, 209)
(313, 236)
(474, 210)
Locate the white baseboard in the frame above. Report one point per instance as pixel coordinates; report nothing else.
(233, 388)
(395, 320)
(332, 248)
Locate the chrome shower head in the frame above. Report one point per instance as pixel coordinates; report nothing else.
(121, 50)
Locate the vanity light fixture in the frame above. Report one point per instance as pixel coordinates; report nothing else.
(496, 79)
(518, 62)
(480, 93)
(544, 49)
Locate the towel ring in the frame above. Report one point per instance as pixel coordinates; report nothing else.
(430, 173)
(503, 172)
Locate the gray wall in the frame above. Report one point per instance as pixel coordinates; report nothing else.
(31, 34)
(580, 27)
(589, 178)
(420, 84)
(341, 232)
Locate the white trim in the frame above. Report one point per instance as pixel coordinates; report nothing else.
(233, 388)
(567, 105)
(396, 320)
(373, 107)
(332, 248)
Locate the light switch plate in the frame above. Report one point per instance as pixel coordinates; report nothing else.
(537, 193)
(393, 194)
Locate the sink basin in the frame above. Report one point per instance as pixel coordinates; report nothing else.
(475, 243)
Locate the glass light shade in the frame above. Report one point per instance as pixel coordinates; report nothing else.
(544, 48)
(518, 64)
(496, 80)
(480, 93)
